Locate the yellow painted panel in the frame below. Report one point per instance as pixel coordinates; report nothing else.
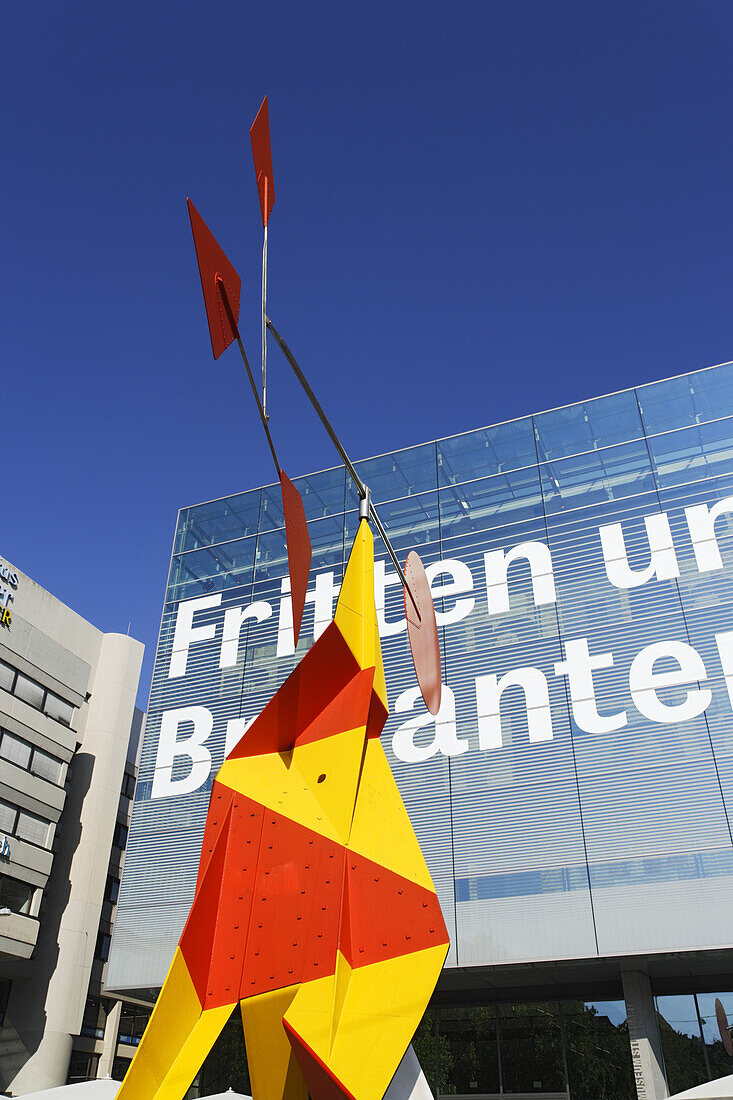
(338, 759)
(311, 1013)
(177, 1039)
(341, 985)
(380, 685)
(356, 614)
(384, 1004)
(268, 780)
(382, 830)
(273, 1068)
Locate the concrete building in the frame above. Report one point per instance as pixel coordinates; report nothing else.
(574, 796)
(69, 733)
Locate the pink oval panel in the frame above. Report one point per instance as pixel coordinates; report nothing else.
(723, 1027)
(422, 632)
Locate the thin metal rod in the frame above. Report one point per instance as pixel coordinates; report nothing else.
(235, 330)
(264, 317)
(393, 557)
(361, 487)
(317, 406)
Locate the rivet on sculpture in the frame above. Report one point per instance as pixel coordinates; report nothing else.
(314, 910)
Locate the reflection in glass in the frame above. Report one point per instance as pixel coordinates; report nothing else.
(598, 1051)
(531, 1048)
(682, 1048)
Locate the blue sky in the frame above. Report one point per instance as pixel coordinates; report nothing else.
(482, 210)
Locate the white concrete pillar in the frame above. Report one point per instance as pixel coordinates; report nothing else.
(51, 1002)
(646, 1046)
(111, 1031)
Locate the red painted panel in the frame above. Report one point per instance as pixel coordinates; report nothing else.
(386, 915)
(324, 670)
(259, 135)
(320, 1082)
(423, 633)
(378, 715)
(216, 820)
(299, 548)
(348, 710)
(197, 938)
(297, 892)
(213, 263)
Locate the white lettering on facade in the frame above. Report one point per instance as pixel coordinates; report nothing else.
(445, 733)
(489, 690)
(496, 566)
(656, 692)
(579, 667)
(663, 560)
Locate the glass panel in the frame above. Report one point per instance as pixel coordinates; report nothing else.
(7, 674)
(588, 426)
(16, 895)
(598, 1051)
(95, 1016)
(468, 1051)
(102, 949)
(679, 1030)
(120, 1067)
(399, 474)
(46, 766)
(718, 1061)
(58, 709)
(14, 749)
(5, 987)
(82, 1066)
(530, 1038)
(29, 691)
(218, 521)
(7, 816)
(705, 395)
(33, 829)
(488, 451)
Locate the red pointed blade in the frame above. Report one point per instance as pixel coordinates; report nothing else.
(423, 634)
(299, 548)
(723, 1027)
(259, 135)
(214, 264)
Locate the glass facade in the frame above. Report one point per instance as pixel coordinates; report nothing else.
(573, 796)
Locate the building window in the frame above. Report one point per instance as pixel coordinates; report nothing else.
(119, 1068)
(5, 987)
(112, 889)
(7, 676)
(128, 785)
(15, 750)
(35, 694)
(58, 708)
(15, 895)
(29, 691)
(38, 762)
(133, 1021)
(46, 766)
(24, 825)
(82, 1066)
(120, 837)
(36, 830)
(94, 1019)
(8, 813)
(101, 951)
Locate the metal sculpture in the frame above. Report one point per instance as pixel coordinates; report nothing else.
(723, 1027)
(314, 910)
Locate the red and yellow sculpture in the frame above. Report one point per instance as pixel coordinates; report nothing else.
(314, 908)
